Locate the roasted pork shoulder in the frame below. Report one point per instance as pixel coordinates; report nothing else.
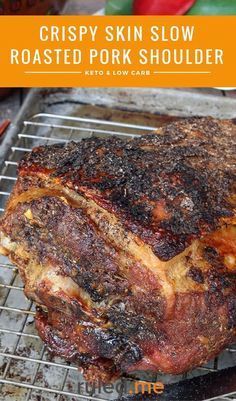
(128, 248)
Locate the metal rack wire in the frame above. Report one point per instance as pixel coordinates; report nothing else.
(26, 368)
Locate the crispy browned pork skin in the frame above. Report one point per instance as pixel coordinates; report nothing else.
(129, 247)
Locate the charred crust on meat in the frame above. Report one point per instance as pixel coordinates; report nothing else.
(196, 274)
(112, 345)
(232, 313)
(129, 247)
(193, 178)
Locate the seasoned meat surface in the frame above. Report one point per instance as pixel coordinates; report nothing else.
(168, 187)
(130, 245)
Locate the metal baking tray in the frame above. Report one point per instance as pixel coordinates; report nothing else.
(27, 370)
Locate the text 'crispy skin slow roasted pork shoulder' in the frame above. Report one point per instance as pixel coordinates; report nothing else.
(129, 247)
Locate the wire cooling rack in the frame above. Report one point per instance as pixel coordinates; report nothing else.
(27, 371)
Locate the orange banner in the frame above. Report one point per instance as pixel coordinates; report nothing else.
(94, 51)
